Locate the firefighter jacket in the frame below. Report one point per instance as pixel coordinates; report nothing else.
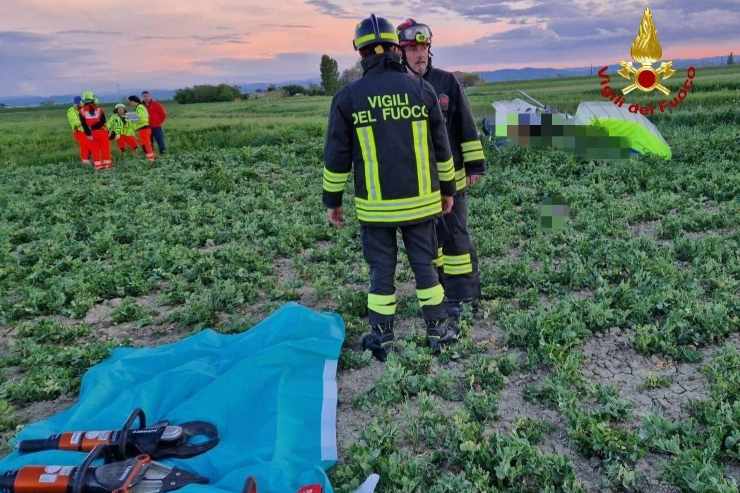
(465, 144)
(390, 128)
(73, 117)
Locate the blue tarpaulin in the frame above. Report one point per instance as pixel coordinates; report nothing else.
(271, 391)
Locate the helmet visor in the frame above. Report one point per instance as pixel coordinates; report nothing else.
(419, 33)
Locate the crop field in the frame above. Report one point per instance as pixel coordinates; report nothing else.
(606, 355)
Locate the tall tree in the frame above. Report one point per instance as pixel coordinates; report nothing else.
(351, 74)
(329, 75)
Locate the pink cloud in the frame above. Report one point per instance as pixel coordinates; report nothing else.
(170, 42)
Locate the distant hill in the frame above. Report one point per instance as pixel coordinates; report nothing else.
(106, 98)
(530, 73)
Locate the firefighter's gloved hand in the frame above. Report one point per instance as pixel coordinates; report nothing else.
(447, 203)
(473, 179)
(335, 217)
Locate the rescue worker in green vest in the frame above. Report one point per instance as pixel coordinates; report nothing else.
(142, 127)
(456, 259)
(389, 127)
(121, 129)
(73, 118)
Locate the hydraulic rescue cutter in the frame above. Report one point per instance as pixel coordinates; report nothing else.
(159, 441)
(135, 475)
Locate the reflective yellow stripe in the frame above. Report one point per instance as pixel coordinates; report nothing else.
(385, 304)
(460, 176)
(363, 39)
(446, 170)
(335, 177)
(369, 155)
(458, 264)
(421, 151)
(397, 204)
(457, 271)
(431, 296)
(333, 187)
(399, 216)
(457, 259)
(371, 37)
(439, 261)
(334, 182)
(473, 156)
(471, 145)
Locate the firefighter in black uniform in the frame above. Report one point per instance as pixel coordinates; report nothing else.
(390, 127)
(456, 259)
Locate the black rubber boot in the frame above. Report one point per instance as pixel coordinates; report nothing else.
(379, 341)
(453, 309)
(475, 307)
(442, 332)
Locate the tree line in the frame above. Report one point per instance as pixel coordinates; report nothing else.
(208, 94)
(331, 82)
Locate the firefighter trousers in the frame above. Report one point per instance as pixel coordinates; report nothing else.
(380, 248)
(456, 259)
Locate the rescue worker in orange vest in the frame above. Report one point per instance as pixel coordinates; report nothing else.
(92, 118)
(142, 127)
(73, 117)
(122, 130)
(456, 259)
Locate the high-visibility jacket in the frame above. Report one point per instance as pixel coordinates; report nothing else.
(157, 113)
(465, 143)
(92, 117)
(73, 117)
(121, 125)
(390, 127)
(143, 115)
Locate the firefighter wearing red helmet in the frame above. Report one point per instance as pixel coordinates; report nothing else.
(456, 260)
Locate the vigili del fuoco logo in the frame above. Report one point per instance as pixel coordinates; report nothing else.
(642, 74)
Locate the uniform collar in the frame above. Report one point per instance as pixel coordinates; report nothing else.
(379, 63)
(429, 69)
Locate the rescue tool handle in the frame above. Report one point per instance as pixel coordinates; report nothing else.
(27, 446)
(188, 447)
(79, 477)
(250, 486)
(7, 482)
(137, 413)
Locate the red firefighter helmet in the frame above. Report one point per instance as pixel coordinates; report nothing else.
(411, 33)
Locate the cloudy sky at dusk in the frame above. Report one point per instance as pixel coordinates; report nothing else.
(57, 46)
